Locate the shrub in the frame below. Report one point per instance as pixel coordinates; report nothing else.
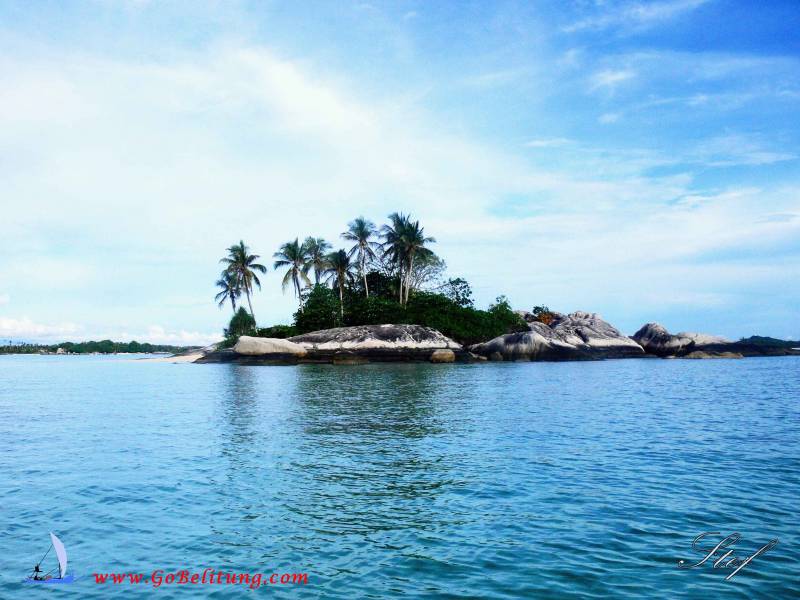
(277, 331)
(543, 315)
(451, 312)
(464, 324)
(458, 290)
(320, 310)
(241, 323)
(374, 310)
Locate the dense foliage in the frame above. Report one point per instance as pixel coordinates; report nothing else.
(277, 331)
(241, 323)
(457, 290)
(320, 310)
(455, 318)
(101, 347)
(759, 340)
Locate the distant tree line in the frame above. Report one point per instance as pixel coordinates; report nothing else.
(101, 347)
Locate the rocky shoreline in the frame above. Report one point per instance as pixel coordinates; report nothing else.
(576, 336)
(347, 345)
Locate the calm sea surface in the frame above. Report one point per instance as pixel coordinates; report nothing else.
(523, 480)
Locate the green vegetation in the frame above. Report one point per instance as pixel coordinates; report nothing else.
(295, 256)
(362, 232)
(277, 331)
(320, 310)
(543, 314)
(339, 273)
(398, 279)
(241, 323)
(758, 340)
(316, 251)
(240, 274)
(228, 283)
(405, 242)
(463, 323)
(101, 347)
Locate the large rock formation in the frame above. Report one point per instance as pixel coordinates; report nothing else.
(377, 343)
(577, 336)
(372, 337)
(257, 346)
(346, 346)
(656, 340)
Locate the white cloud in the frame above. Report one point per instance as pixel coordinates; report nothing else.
(736, 150)
(607, 118)
(156, 334)
(177, 159)
(547, 142)
(609, 79)
(636, 15)
(26, 329)
(4, 299)
(493, 79)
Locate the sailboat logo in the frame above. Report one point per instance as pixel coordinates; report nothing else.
(56, 574)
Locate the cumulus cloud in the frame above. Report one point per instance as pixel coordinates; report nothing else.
(27, 329)
(156, 334)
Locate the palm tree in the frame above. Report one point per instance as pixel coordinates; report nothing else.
(338, 273)
(393, 247)
(243, 266)
(230, 289)
(293, 255)
(316, 250)
(404, 240)
(415, 241)
(360, 231)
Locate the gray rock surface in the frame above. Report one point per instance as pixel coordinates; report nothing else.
(655, 339)
(702, 354)
(577, 336)
(376, 337)
(258, 346)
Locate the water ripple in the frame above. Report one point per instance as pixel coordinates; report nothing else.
(453, 481)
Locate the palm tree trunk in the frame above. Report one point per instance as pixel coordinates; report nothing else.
(341, 300)
(250, 304)
(408, 276)
(364, 274)
(400, 278)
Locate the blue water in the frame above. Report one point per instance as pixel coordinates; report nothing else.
(509, 480)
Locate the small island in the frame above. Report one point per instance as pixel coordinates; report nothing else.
(386, 299)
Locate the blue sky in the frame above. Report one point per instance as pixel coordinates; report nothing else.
(636, 159)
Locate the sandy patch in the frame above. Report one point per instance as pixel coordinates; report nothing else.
(187, 358)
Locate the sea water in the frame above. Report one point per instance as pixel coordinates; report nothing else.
(500, 480)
